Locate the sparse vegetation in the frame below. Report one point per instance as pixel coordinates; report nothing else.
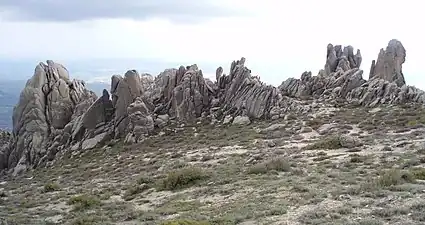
(314, 123)
(279, 165)
(51, 186)
(182, 178)
(83, 202)
(85, 220)
(211, 175)
(329, 143)
(418, 173)
(388, 179)
(185, 222)
(390, 212)
(394, 177)
(356, 158)
(132, 191)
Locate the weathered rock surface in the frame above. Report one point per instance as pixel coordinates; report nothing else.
(49, 101)
(140, 122)
(241, 120)
(55, 114)
(148, 84)
(92, 122)
(347, 141)
(243, 94)
(338, 58)
(185, 95)
(182, 93)
(344, 81)
(5, 142)
(388, 66)
(124, 92)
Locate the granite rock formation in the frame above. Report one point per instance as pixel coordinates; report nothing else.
(55, 114)
(388, 66)
(5, 141)
(344, 80)
(49, 101)
(182, 93)
(240, 93)
(336, 58)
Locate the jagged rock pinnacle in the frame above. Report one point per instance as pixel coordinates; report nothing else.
(55, 114)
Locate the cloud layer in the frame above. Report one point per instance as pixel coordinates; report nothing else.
(79, 10)
(280, 39)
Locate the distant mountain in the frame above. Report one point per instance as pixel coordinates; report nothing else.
(9, 97)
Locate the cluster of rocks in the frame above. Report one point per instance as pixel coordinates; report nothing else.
(49, 106)
(55, 114)
(342, 79)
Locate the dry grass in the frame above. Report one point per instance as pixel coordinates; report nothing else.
(83, 202)
(182, 178)
(279, 165)
(51, 187)
(185, 222)
(209, 175)
(332, 142)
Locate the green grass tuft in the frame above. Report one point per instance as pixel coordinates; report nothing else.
(83, 202)
(182, 178)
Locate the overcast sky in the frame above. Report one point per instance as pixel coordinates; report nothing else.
(279, 38)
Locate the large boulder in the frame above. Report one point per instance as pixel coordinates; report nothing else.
(182, 93)
(93, 121)
(243, 94)
(191, 97)
(124, 92)
(5, 142)
(148, 84)
(47, 104)
(338, 58)
(388, 66)
(132, 119)
(141, 122)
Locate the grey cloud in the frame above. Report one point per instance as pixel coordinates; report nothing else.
(78, 10)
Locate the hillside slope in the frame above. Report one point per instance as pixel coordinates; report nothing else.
(178, 148)
(335, 166)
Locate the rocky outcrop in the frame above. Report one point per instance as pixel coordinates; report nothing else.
(338, 58)
(55, 115)
(124, 92)
(49, 101)
(242, 94)
(185, 95)
(132, 119)
(92, 123)
(5, 142)
(345, 81)
(148, 84)
(140, 121)
(388, 66)
(378, 91)
(182, 93)
(341, 72)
